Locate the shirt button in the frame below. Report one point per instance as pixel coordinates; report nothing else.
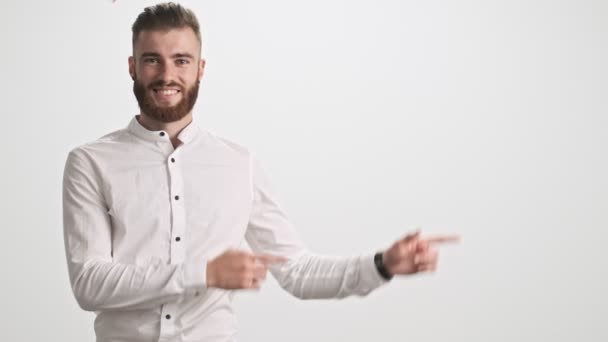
(176, 198)
(196, 294)
(173, 160)
(162, 134)
(168, 317)
(178, 239)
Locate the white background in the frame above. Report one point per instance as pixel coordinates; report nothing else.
(483, 118)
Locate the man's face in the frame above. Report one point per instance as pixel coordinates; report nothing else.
(166, 69)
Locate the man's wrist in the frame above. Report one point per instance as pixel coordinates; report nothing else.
(380, 267)
(210, 275)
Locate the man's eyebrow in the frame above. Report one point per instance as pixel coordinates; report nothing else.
(183, 54)
(150, 54)
(176, 55)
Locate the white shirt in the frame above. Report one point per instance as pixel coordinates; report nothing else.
(141, 220)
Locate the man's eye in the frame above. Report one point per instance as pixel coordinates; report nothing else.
(150, 60)
(182, 61)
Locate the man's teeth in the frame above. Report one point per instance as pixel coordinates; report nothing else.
(167, 92)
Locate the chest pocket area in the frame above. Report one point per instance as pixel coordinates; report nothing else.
(220, 196)
(138, 196)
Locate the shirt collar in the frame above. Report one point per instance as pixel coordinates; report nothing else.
(186, 135)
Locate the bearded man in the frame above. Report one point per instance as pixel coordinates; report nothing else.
(156, 214)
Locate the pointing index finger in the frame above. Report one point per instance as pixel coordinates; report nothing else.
(442, 239)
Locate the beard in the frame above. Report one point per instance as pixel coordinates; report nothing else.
(148, 106)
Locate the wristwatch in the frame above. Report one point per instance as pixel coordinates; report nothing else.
(380, 266)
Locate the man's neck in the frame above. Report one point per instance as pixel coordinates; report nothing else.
(171, 128)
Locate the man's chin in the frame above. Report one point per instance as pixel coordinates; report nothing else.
(166, 104)
(165, 114)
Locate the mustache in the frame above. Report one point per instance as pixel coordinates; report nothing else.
(161, 83)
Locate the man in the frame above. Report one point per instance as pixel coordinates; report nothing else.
(155, 214)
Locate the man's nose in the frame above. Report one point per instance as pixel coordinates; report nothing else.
(167, 73)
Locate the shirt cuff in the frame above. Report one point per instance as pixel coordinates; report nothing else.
(370, 277)
(195, 277)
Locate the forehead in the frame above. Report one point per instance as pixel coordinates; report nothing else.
(168, 42)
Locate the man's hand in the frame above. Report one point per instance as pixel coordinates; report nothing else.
(239, 270)
(414, 254)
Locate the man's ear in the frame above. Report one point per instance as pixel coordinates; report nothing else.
(132, 67)
(201, 69)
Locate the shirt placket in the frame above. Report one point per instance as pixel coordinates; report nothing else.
(177, 243)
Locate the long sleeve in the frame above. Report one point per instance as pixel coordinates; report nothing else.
(98, 282)
(305, 275)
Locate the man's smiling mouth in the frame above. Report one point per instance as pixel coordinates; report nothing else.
(166, 92)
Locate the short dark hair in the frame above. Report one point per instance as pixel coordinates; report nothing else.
(165, 16)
